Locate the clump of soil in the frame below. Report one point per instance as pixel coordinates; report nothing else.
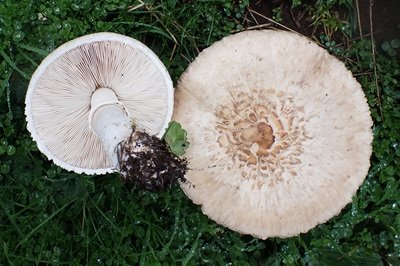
(146, 161)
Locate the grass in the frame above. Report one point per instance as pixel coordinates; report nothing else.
(50, 216)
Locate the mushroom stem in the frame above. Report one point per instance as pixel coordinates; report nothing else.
(109, 120)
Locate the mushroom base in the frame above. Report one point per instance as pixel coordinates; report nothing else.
(146, 161)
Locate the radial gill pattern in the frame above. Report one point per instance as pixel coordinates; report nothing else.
(59, 96)
(262, 136)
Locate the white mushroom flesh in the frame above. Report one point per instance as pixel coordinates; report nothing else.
(279, 131)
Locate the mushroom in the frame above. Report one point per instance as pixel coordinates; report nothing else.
(280, 133)
(84, 97)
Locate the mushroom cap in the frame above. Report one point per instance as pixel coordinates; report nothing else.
(58, 100)
(279, 130)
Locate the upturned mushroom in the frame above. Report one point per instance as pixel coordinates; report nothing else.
(280, 133)
(84, 98)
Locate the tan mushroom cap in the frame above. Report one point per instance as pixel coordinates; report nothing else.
(58, 100)
(279, 130)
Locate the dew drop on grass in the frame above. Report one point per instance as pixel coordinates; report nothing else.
(17, 25)
(57, 251)
(354, 212)
(75, 7)
(11, 150)
(66, 25)
(57, 10)
(7, 22)
(5, 168)
(289, 259)
(112, 7)
(18, 36)
(41, 187)
(46, 254)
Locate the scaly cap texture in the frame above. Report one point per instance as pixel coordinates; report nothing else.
(279, 130)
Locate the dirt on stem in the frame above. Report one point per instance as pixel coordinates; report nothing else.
(147, 161)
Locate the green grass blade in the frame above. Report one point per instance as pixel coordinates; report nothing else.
(102, 214)
(5, 250)
(43, 223)
(11, 218)
(27, 57)
(192, 251)
(13, 65)
(34, 49)
(5, 82)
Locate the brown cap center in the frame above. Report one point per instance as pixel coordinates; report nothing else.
(262, 134)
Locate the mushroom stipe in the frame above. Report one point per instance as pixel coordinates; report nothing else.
(146, 161)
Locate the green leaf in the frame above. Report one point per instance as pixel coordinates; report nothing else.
(386, 46)
(171, 3)
(176, 138)
(395, 43)
(392, 52)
